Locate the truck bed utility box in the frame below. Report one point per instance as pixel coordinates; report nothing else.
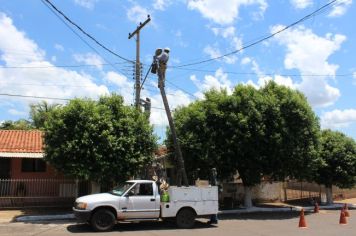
(203, 200)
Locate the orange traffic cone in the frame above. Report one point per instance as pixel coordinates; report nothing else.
(302, 223)
(343, 220)
(316, 208)
(346, 210)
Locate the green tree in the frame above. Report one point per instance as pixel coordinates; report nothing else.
(102, 141)
(39, 113)
(255, 132)
(338, 166)
(21, 124)
(292, 134)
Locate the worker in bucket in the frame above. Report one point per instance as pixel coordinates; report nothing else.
(162, 60)
(154, 65)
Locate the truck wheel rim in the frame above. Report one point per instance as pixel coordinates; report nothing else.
(104, 220)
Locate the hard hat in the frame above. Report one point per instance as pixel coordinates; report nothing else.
(167, 49)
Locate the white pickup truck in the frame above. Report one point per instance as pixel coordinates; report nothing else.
(139, 200)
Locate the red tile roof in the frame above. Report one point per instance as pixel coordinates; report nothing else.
(24, 141)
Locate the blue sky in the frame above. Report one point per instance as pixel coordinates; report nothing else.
(316, 57)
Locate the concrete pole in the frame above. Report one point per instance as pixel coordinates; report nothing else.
(180, 161)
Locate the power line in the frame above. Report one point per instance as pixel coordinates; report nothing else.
(181, 89)
(52, 98)
(266, 74)
(28, 96)
(53, 85)
(80, 37)
(85, 33)
(317, 11)
(62, 66)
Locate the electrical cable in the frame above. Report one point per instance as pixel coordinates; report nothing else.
(60, 66)
(85, 33)
(28, 96)
(315, 12)
(80, 37)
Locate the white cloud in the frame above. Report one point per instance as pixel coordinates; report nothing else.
(340, 8)
(217, 81)
(278, 79)
(224, 12)
(338, 118)
(228, 33)
(301, 4)
(45, 82)
(175, 98)
(59, 47)
(214, 52)
(309, 53)
(137, 14)
(354, 76)
(178, 38)
(245, 61)
(224, 32)
(90, 59)
(89, 4)
(124, 85)
(161, 4)
(16, 112)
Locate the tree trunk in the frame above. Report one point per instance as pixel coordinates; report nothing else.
(248, 197)
(329, 195)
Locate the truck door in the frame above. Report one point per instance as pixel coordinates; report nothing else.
(141, 202)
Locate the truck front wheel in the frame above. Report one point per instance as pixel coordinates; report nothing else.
(103, 220)
(185, 218)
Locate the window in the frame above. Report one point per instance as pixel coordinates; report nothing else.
(33, 165)
(142, 190)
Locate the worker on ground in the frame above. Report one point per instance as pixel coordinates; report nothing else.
(162, 60)
(214, 182)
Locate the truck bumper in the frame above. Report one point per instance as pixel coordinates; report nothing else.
(82, 215)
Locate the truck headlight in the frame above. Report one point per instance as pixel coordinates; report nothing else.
(81, 205)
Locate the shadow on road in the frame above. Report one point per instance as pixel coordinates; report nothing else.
(261, 216)
(132, 227)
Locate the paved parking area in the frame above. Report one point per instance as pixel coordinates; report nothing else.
(266, 224)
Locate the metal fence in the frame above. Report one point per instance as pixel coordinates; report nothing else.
(296, 190)
(17, 193)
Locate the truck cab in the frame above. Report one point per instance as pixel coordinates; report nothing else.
(139, 200)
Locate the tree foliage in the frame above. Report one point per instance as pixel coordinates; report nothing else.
(39, 113)
(103, 141)
(21, 124)
(269, 131)
(338, 155)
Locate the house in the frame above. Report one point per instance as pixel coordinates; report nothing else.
(21, 156)
(26, 179)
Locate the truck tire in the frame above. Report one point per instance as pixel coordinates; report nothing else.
(102, 220)
(185, 218)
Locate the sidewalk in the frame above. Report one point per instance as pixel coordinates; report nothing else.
(52, 214)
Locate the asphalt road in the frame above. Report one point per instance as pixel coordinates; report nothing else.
(323, 224)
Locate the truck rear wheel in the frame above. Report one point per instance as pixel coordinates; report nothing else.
(103, 220)
(185, 218)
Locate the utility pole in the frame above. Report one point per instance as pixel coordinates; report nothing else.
(180, 161)
(138, 64)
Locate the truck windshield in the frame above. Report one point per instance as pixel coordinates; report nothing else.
(121, 188)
